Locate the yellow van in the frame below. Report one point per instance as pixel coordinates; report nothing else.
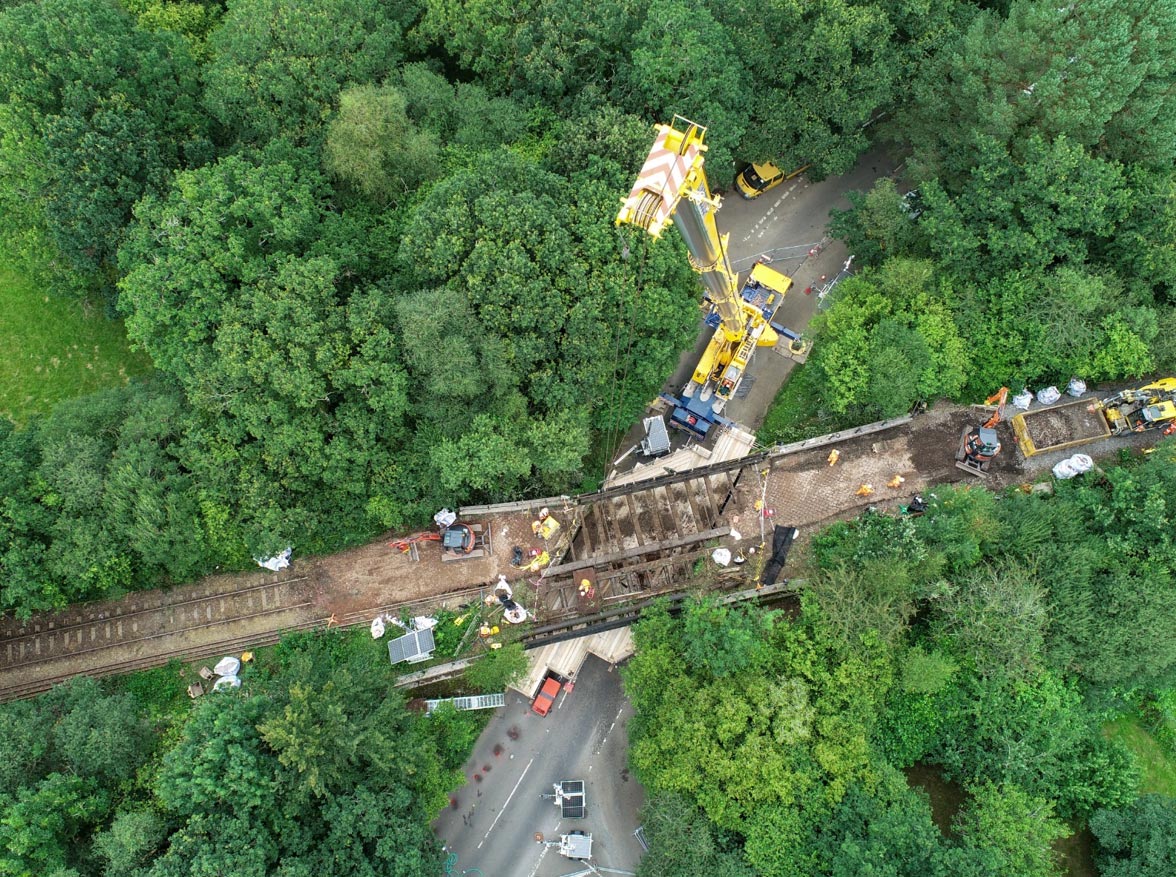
(755, 179)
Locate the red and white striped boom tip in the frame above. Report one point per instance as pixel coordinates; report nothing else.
(662, 180)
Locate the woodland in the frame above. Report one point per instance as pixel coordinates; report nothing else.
(994, 637)
(315, 767)
(368, 248)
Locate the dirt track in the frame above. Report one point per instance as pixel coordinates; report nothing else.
(352, 586)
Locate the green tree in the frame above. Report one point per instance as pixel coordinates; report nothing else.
(90, 132)
(926, 672)
(292, 370)
(1095, 79)
(1015, 829)
(544, 49)
(1109, 599)
(961, 527)
(882, 223)
(512, 294)
(131, 841)
(889, 340)
(1142, 246)
(40, 828)
(816, 76)
(722, 640)
(278, 66)
(312, 735)
(461, 116)
(375, 148)
(456, 732)
(1038, 735)
(996, 617)
(1026, 211)
(1048, 327)
(1137, 840)
(873, 603)
(311, 769)
(99, 737)
(498, 669)
(191, 19)
(685, 62)
(684, 843)
(887, 827)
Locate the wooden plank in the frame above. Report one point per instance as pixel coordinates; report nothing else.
(613, 526)
(712, 501)
(634, 517)
(677, 542)
(659, 494)
(601, 531)
(726, 491)
(699, 520)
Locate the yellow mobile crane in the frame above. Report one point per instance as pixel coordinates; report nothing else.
(673, 186)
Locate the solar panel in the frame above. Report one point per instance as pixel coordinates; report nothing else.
(413, 647)
(572, 800)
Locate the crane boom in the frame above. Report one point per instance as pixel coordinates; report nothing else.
(672, 186)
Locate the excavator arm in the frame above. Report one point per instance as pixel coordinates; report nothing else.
(999, 399)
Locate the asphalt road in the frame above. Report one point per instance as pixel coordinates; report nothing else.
(498, 812)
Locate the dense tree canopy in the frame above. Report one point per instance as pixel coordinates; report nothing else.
(511, 294)
(309, 768)
(891, 340)
(1098, 75)
(369, 249)
(1138, 840)
(278, 66)
(952, 639)
(98, 112)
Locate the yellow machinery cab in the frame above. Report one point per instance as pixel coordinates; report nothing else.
(757, 178)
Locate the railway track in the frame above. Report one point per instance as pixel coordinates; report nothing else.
(620, 544)
(43, 682)
(143, 621)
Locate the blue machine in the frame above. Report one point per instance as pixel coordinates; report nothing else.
(695, 416)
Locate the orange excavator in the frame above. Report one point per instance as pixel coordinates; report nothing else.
(979, 444)
(459, 541)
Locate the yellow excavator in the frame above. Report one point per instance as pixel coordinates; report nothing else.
(672, 186)
(1148, 407)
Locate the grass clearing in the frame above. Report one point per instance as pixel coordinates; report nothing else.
(56, 349)
(1159, 770)
(797, 411)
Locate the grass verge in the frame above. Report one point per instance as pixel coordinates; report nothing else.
(1159, 770)
(797, 412)
(56, 349)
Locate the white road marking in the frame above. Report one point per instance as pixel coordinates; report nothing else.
(760, 228)
(542, 853)
(504, 806)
